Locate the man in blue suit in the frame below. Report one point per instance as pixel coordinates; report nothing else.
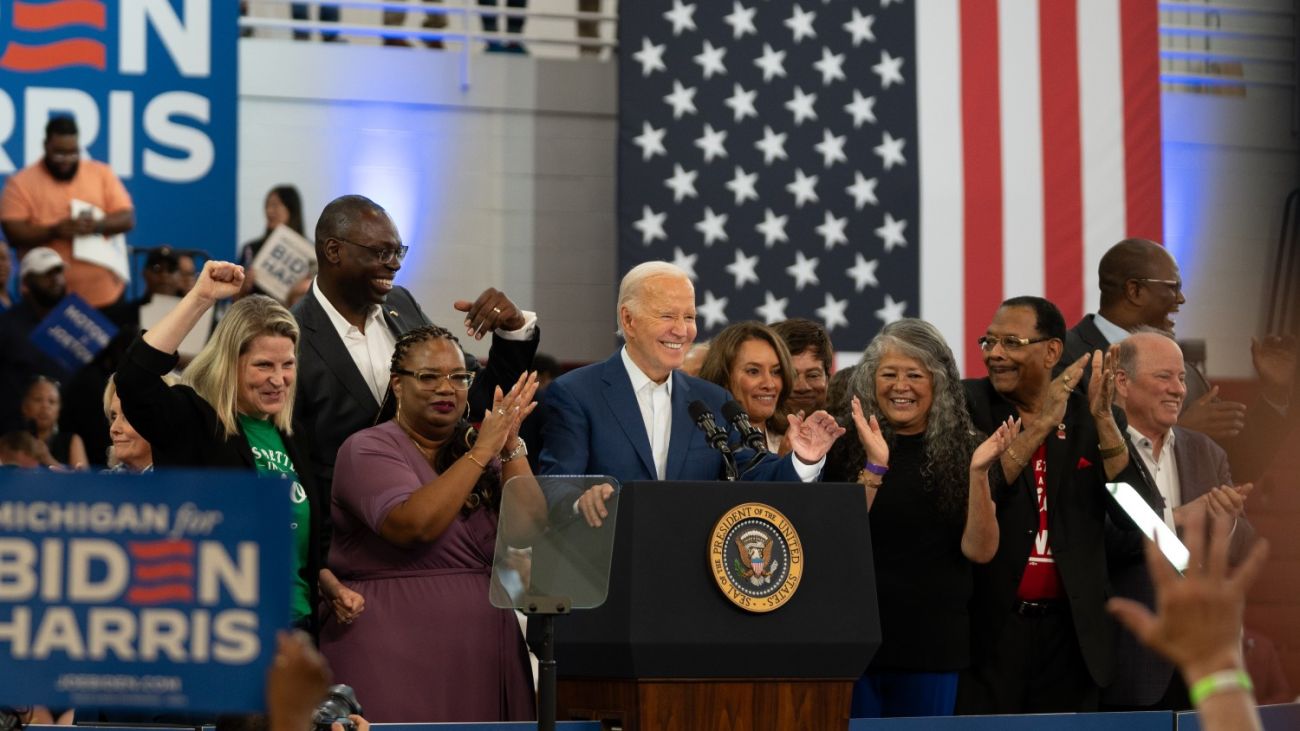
(627, 417)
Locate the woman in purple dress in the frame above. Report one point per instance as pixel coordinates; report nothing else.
(415, 511)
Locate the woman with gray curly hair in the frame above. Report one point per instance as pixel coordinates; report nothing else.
(925, 473)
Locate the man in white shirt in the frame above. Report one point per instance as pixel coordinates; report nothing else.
(1190, 473)
(354, 313)
(628, 417)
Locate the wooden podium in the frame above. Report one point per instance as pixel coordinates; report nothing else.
(668, 650)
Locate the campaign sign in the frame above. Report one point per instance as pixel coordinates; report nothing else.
(160, 591)
(153, 86)
(73, 333)
(283, 261)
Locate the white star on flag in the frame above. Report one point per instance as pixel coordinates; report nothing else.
(891, 233)
(890, 69)
(682, 99)
(772, 145)
(741, 20)
(863, 191)
(832, 313)
(890, 151)
(681, 16)
(651, 225)
(711, 143)
(860, 27)
(772, 63)
(831, 148)
(743, 269)
(863, 273)
(863, 109)
(831, 66)
(801, 106)
(685, 262)
(743, 186)
(772, 228)
(800, 24)
(651, 141)
(804, 271)
(651, 57)
(713, 226)
(773, 308)
(892, 311)
(803, 188)
(713, 310)
(741, 103)
(710, 60)
(832, 230)
(682, 183)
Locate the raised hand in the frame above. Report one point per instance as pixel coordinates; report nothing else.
(1275, 361)
(993, 447)
(492, 310)
(1101, 386)
(811, 438)
(869, 436)
(1209, 415)
(218, 280)
(524, 392)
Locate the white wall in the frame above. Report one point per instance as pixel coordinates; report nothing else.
(508, 184)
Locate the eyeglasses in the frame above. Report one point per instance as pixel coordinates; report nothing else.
(1008, 342)
(1174, 284)
(384, 255)
(428, 380)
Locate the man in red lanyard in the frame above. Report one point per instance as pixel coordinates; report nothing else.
(1042, 641)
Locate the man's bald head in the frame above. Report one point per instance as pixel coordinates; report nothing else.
(341, 217)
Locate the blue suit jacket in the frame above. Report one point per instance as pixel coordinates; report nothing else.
(594, 427)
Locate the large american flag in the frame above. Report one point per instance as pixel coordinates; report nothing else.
(857, 162)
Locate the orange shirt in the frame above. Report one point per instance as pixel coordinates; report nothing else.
(34, 196)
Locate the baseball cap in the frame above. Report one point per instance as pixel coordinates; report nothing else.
(39, 260)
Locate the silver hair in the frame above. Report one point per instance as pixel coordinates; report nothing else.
(631, 289)
(950, 437)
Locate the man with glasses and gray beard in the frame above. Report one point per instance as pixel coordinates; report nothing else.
(354, 313)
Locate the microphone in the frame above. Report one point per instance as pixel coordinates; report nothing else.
(703, 417)
(752, 437)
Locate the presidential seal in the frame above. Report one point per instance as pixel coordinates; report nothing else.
(756, 557)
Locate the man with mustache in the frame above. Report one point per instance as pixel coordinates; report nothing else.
(1141, 287)
(36, 210)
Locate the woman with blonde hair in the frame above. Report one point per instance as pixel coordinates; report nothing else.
(234, 410)
(130, 452)
(752, 362)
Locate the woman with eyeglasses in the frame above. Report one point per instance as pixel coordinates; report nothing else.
(415, 523)
(234, 410)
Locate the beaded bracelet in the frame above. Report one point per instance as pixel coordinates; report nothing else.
(1220, 682)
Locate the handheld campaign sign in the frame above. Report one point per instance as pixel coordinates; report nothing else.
(1150, 523)
(282, 262)
(73, 333)
(158, 591)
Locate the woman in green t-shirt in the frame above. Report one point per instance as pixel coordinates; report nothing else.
(234, 410)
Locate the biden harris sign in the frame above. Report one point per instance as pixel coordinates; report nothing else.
(153, 85)
(160, 591)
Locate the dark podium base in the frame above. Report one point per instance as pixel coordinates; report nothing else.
(679, 704)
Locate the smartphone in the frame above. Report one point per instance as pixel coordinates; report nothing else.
(1150, 523)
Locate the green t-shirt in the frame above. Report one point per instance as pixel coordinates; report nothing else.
(271, 459)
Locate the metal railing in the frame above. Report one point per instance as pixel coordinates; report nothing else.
(1227, 47)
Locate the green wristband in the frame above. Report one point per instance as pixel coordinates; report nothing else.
(1220, 682)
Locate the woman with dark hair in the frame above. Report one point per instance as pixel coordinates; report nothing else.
(811, 359)
(41, 406)
(415, 524)
(283, 207)
(234, 410)
(751, 361)
(925, 474)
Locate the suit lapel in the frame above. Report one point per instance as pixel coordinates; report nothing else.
(331, 351)
(682, 429)
(626, 412)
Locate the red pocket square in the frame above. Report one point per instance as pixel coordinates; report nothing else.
(1084, 463)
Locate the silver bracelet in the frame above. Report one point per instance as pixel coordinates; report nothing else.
(520, 450)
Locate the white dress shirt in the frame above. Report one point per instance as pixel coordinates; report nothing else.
(1164, 469)
(372, 350)
(1109, 330)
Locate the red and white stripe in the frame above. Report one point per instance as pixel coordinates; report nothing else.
(1039, 149)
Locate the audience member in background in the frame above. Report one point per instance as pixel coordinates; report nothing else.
(694, 359)
(925, 474)
(751, 361)
(235, 411)
(303, 286)
(811, 357)
(1041, 640)
(415, 526)
(36, 209)
(6, 272)
(185, 272)
(21, 449)
(328, 14)
(1197, 622)
(514, 26)
(130, 451)
(837, 390)
(1141, 286)
(351, 319)
(161, 275)
(43, 287)
(433, 21)
(1190, 474)
(283, 206)
(41, 405)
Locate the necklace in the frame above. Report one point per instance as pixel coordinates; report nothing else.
(428, 452)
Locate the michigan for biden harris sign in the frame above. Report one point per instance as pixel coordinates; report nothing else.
(153, 85)
(158, 591)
